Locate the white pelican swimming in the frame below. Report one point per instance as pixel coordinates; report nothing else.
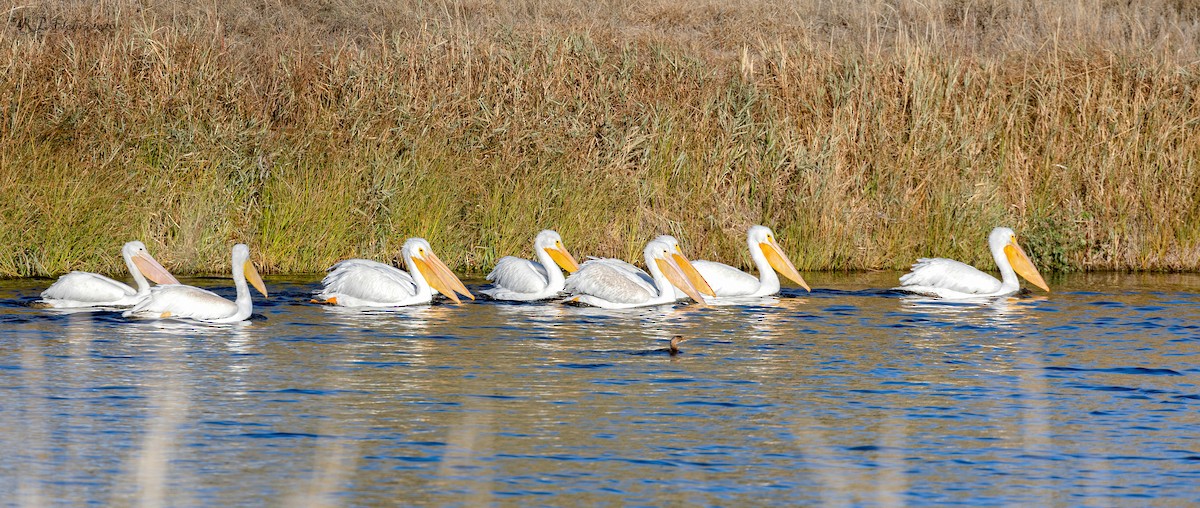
(188, 302)
(768, 257)
(86, 289)
(366, 283)
(690, 271)
(524, 280)
(612, 284)
(946, 278)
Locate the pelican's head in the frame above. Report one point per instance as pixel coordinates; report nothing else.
(241, 256)
(136, 251)
(436, 273)
(694, 276)
(133, 248)
(1005, 240)
(675, 266)
(761, 237)
(550, 242)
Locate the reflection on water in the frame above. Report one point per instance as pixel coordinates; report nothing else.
(854, 395)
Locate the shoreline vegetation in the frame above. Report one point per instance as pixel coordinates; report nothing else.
(864, 135)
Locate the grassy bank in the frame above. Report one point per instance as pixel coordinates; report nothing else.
(866, 136)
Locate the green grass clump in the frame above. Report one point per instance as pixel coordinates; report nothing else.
(866, 135)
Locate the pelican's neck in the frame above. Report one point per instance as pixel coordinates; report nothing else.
(554, 276)
(665, 289)
(1008, 277)
(423, 288)
(143, 286)
(245, 304)
(768, 280)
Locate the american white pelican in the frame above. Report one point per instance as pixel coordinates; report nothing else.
(188, 302)
(612, 284)
(946, 278)
(768, 257)
(690, 271)
(86, 289)
(524, 280)
(366, 283)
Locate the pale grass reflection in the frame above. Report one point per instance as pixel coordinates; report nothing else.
(80, 332)
(824, 461)
(466, 443)
(893, 443)
(1007, 324)
(165, 382)
(845, 482)
(1034, 406)
(334, 460)
(334, 457)
(32, 438)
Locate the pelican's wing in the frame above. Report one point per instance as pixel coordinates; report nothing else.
(519, 275)
(632, 269)
(726, 280)
(369, 280)
(942, 273)
(183, 301)
(87, 287)
(610, 279)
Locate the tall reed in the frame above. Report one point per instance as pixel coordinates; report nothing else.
(865, 135)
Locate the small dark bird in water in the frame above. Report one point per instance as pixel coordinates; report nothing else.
(672, 350)
(675, 341)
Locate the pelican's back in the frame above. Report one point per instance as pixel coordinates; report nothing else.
(184, 302)
(520, 275)
(948, 274)
(368, 280)
(87, 287)
(612, 280)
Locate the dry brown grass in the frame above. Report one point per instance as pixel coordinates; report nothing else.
(865, 135)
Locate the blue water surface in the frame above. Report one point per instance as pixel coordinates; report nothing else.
(852, 395)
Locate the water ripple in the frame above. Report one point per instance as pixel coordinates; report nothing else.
(1120, 370)
(845, 396)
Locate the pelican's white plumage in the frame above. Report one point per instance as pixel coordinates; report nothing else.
(188, 302)
(86, 289)
(768, 257)
(615, 284)
(690, 271)
(950, 279)
(366, 283)
(520, 279)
